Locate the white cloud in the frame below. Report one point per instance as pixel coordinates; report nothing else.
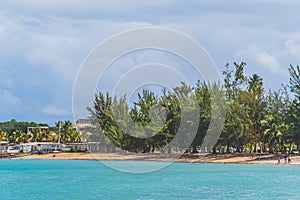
(275, 56)
(262, 58)
(53, 110)
(9, 101)
(293, 48)
(269, 61)
(81, 5)
(48, 40)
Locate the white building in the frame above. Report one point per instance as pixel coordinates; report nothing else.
(3, 146)
(40, 147)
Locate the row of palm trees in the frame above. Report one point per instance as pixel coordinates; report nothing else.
(67, 134)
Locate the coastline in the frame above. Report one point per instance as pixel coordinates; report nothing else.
(192, 158)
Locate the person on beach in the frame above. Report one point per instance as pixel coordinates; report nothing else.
(289, 158)
(278, 160)
(285, 158)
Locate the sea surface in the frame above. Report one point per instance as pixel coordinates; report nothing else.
(71, 179)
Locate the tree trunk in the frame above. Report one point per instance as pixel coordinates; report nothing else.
(194, 150)
(214, 150)
(169, 150)
(241, 149)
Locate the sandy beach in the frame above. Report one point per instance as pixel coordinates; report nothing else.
(193, 158)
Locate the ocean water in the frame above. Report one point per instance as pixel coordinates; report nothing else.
(71, 179)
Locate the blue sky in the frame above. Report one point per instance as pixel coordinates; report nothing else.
(43, 43)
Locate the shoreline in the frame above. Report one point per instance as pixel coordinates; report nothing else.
(190, 158)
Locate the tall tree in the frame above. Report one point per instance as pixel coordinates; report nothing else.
(256, 107)
(236, 119)
(294, 85)
(276, 124)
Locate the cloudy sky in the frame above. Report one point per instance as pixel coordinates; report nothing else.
(43, 43)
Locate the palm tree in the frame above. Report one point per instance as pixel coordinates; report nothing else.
(255, 85)
(23, 137)
(3, 135)
(35, 135)
(256, 105)
(275, 126)
(272, 134)
(68, 133)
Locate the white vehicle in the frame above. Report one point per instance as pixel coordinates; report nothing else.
(13, 149)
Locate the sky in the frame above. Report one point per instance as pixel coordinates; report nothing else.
(44, 43)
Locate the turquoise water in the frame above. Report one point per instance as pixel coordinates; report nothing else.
(67, 179)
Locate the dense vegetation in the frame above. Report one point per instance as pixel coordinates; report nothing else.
(152, 122)
(256, 119)
(17, 132)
